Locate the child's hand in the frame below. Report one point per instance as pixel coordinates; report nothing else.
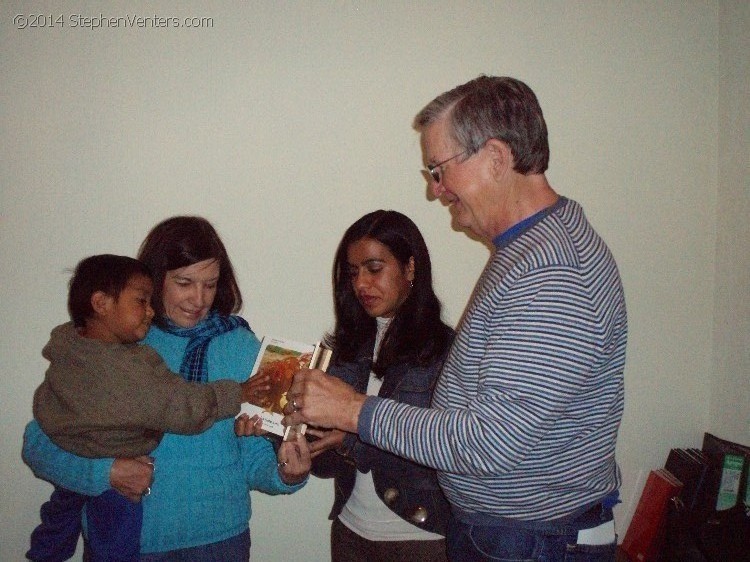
(255, 387)
(244, 425)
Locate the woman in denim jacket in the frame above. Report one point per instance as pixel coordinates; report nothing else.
(389, 340)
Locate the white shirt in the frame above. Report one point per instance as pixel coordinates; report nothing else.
(364, 512)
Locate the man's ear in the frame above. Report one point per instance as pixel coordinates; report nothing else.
(101, 302)
(501, 156)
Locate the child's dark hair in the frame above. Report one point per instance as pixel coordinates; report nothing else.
(105, 272)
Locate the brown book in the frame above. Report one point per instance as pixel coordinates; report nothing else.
(645, 533)
(280, 359)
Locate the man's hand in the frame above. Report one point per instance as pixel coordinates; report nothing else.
(322, 400)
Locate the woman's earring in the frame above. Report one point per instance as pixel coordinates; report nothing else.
(411, 284)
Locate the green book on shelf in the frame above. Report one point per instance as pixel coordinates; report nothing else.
(729, 487)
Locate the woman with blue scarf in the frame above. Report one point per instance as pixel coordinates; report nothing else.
(198, 507)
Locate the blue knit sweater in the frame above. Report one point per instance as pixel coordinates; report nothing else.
(200, 493)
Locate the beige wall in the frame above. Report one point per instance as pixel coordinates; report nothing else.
(730, 386)
(286, 121)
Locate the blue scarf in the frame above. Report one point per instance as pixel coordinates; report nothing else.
(193, 367)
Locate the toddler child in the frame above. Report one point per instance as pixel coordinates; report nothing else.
(104, 395)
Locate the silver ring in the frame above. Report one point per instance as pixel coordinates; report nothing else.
(294, 405)
(281, 464)
(147, 492)
(153, 467)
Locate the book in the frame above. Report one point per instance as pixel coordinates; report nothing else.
(729, 485)
(725, 532)
(689, 466)
(280, 359)
(730, 467)
(645, 535)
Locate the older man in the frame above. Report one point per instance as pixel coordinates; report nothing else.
(524, 418)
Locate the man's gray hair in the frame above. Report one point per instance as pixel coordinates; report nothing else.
(493, 107)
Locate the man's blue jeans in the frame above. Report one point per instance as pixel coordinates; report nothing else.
(482, 541)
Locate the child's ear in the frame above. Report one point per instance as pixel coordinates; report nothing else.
(100, 302)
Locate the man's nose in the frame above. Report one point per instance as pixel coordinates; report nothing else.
(437, 189)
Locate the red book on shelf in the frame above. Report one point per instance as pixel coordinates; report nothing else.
(644, 535)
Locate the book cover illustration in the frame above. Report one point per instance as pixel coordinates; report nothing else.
(280, 359)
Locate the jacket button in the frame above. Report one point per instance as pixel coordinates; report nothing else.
(419, 515)
(390, 495)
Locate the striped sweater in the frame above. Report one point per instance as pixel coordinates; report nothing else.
(525, 415)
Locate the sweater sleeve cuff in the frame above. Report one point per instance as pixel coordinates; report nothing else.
(82, 475)
(100, 473)
(228, 398)
(366, 416)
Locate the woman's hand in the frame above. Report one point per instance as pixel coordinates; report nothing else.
(255, 387)
(245, 426)
(132, 477)
(294, 460)
(322, 400)
(327, 440)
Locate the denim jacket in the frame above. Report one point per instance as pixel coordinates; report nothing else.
(409, 489)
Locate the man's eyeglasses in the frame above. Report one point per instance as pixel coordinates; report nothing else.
(435, 170)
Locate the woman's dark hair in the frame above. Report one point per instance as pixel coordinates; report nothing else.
(182, 241)
(106, 273)
(416, 334)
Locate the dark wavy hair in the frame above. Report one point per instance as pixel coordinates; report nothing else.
(182, 241)
(493, 107)
(416, 335)
(104, 272)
